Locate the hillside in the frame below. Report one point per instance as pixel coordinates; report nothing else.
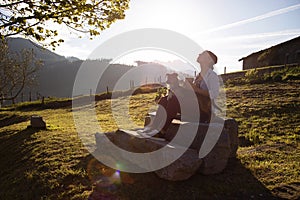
(57, 76)
(53, 163)
(18, 44)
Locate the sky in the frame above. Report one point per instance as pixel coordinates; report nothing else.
(232, 29)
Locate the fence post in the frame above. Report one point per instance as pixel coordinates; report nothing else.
(131, 84)
(1, 100)
(12, 99)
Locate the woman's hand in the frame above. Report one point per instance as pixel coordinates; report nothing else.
(200, 91)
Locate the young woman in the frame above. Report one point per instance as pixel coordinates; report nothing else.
(206, 86)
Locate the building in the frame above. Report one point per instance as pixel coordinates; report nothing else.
(281, 54)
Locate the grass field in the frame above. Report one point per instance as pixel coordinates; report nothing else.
(54, 164)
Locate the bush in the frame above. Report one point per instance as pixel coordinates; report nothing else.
(235, 81)
(277, 77)
(254, 136)
(252, 76)
(286, 74)
(267, 78)
(161, 92)
(274, 74)
(291, 77)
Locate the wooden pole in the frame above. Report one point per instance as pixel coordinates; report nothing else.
(12, 100)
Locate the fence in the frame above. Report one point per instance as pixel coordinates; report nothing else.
(261, 71)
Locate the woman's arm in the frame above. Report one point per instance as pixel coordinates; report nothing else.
(200, 91)
(213, 86)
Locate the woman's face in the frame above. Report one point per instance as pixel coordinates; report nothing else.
(204, 59)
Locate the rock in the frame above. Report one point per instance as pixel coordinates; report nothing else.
(183, 168)
(216, 160)
(37, 122)
(232, 129)
(132, 143)
(197, 141)
(189, 163)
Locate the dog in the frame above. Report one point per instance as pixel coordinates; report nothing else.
(204, 102)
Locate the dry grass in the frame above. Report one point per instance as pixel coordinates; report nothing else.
(54, 164)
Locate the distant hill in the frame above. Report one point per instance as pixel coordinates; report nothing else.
(183, 68)
(58, 79)
(72, 59)
(18, 44)
(57, 76)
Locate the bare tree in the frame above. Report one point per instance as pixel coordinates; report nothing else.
(17, 70)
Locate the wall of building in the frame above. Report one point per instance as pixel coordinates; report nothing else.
(281, 54)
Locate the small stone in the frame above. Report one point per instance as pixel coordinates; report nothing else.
(37, 122)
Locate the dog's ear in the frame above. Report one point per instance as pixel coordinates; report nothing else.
(172, 76)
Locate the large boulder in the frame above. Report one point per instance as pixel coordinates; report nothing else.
(214, 161)
(183, 168)
(216, 158)
(231, 127)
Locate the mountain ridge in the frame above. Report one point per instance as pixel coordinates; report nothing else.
(57, 77)
(17, 44)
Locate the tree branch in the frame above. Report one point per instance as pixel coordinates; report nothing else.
(11, 4)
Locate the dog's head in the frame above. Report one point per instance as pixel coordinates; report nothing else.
(172, 79)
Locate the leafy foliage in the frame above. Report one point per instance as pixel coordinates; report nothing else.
(251, 75)
(161, 92)
(273, 74)
(265, 56)
(29, 17)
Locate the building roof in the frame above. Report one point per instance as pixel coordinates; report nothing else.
(277, 45)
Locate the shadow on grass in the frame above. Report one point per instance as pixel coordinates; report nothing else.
(15, 164)
(267, 111)
(19, 181)
(235, 182)
(7, 120)
(36, 106)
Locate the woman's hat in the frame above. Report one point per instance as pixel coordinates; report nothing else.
(212, 56)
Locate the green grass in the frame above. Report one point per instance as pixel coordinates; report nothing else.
(269, 74)
(54, 164)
